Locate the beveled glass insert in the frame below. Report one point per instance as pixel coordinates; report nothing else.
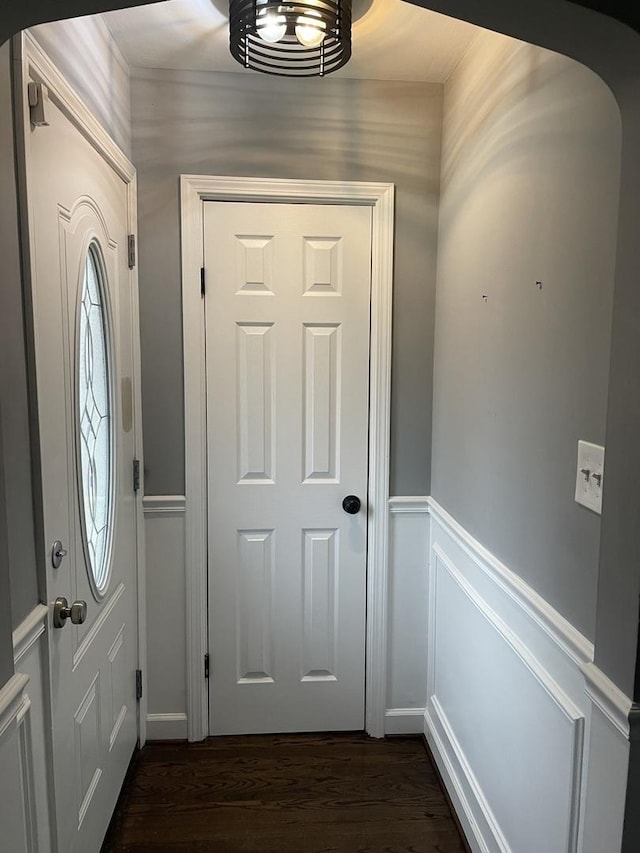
(94, 398)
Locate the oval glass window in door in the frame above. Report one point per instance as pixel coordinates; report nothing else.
(95, 423)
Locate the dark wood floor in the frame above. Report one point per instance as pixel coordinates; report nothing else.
(284, 794)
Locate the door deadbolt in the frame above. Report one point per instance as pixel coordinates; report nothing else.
(77, 612)
(58, 553)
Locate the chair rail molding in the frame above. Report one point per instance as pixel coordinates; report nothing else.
(164, 505)
(511, 686)
(559, 629)
(609, 699)
(194, 190)
(29, 632)
(13, 701)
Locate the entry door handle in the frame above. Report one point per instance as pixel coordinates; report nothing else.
(351, 504)
(77, 612)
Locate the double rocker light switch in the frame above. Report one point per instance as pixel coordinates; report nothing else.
(590, 475)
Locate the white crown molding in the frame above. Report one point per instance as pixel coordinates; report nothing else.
(29, 631)
(164, 505)
(561, 631)
(42, 70)
(609, 699)
(409, 504)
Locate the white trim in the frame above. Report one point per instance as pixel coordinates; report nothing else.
(552, 689)
(38, 66)
(42, 70)
(29, 631)
(403, 504)
(404, 721)
(164, 505)
(461, 783)
(553, 652)
(27, 776)
(12, 700)
(194, 189)
(573, 715)
(609, 699)
(561, 631)
(167, 726)
(136, 390)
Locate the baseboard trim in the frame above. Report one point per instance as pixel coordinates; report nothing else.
(166, 726)
(443, 787)
(404, 721)
(559, 629)
(455, 771)
(164, 505)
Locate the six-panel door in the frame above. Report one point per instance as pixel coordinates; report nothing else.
(287, 350)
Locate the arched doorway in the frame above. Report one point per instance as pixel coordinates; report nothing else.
(610, 49)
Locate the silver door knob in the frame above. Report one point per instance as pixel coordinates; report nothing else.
(61, 612)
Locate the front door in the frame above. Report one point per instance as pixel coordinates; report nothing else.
(84, 357)
(287, 338)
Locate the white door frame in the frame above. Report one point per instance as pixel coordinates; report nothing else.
(35, 63)
(194, 190)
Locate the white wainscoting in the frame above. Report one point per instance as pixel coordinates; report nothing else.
(533, 759)
(24, 789)
(606, 761)
(164, 517)
(407, 615)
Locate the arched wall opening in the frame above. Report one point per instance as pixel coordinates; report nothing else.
(610, 49)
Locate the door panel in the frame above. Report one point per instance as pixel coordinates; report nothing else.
(78, 208)
(287, 330)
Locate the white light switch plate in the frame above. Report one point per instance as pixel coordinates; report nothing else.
(590, 475)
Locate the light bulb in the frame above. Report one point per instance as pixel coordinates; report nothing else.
(271, 27)
(309, 30)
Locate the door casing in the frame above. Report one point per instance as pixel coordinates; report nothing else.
(194, 191)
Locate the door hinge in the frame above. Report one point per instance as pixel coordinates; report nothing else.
(131, 250)
(136, 475)
(206, 665)
(138, 684)
(38, 98)
(202, 282)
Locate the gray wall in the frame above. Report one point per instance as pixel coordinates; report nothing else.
(244, 124)
(85, 52)
(20, 534)
(531, 163)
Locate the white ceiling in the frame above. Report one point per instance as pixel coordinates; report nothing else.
(393, 40)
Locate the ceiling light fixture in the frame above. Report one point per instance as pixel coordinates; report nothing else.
(291, 38)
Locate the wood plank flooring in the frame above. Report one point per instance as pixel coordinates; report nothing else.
(284, 794)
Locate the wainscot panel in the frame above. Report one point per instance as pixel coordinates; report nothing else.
(533, 759)
(407, 615)
(166, 632)
(24, 788)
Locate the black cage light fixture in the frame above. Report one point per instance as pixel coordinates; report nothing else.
(291, 38)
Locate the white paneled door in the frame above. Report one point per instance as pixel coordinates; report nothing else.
(84, 353)
(287, 338)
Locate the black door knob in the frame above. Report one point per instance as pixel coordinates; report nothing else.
(351, 504)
